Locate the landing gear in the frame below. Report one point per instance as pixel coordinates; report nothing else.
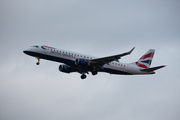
(83, 76)
(94, 72)
(38, 61)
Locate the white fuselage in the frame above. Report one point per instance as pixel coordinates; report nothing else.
(68, 58)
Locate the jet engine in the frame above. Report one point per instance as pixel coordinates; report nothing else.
(65, 68)
(81, 62)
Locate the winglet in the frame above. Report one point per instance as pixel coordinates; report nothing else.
(127, 53)
(131, 50)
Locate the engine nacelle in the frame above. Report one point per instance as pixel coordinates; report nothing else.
(81, 62)
(65, 68)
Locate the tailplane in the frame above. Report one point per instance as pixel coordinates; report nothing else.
(152, 69)
(146, 59)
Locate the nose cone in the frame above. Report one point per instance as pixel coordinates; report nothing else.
(25, 51)
(29, 51)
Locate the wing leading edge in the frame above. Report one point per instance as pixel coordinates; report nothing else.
(106, 60)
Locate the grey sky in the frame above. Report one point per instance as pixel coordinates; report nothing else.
(98, 28)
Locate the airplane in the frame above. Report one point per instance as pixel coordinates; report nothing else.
(83, 64)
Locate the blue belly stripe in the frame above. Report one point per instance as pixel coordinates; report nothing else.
(72, 62)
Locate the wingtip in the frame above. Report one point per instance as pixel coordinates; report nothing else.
(163, 65)
(131, 49)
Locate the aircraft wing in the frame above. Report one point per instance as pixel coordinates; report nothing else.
(106, 60)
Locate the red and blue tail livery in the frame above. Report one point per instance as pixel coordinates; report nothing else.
(145, 60)
(83, 64)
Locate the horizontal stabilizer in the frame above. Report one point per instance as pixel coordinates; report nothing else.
(152, 69)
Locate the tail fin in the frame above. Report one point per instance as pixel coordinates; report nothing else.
(146, 59)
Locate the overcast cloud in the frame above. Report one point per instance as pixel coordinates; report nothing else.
(98, 28)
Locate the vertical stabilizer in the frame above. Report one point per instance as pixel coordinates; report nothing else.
(146, 59)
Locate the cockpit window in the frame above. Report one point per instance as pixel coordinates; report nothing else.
(35, 46)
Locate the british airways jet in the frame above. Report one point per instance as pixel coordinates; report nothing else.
(83, 64)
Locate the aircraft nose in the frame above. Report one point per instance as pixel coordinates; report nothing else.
(25, 51)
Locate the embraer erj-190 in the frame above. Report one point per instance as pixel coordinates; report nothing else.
(83, 64)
